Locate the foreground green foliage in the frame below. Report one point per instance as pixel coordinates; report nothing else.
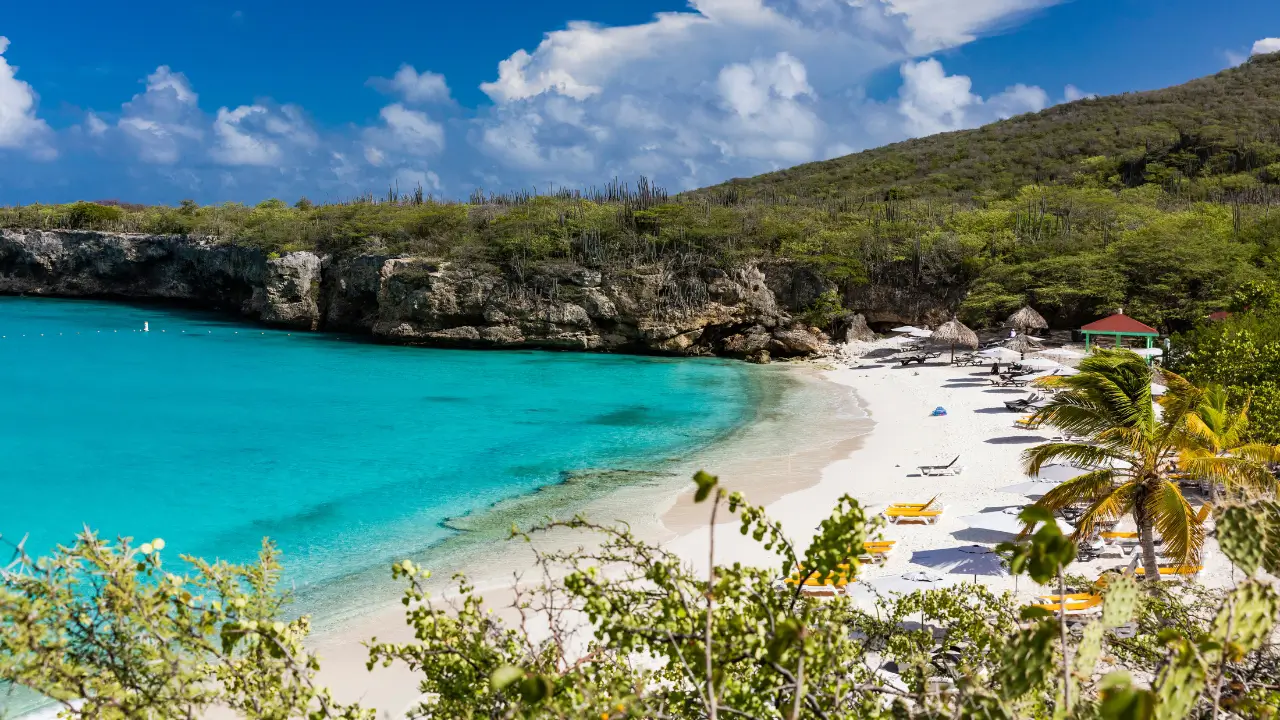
(106, 631)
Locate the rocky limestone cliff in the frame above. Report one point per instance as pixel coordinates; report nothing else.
(746, 312)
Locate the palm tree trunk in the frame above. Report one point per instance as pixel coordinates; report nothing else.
(1147, 541)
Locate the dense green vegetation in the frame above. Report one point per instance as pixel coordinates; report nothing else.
(1242, 353)
(1218, 132)
(1161, 203)
(111, 630)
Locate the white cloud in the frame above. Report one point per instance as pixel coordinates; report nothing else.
(1266, 46)
(20, 128)
(405, 131)
(163, 121)
(257, 135)
(733, 87)
(933, 102)
(727, 88)
(1071, 93)
(408, 179)
(938, 24)
(413, 86)
(769, 119)
(95, 125)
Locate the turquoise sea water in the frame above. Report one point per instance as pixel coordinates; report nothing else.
(212, 434)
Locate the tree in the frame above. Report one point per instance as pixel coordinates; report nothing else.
(1132, 448)
(1242, 354)
(1218, 447)
(105, 630)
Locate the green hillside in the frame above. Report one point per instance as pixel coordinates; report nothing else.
(1223, 125)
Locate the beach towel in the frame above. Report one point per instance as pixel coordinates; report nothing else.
(939, 411)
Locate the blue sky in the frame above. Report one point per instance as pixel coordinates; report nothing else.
(233, 101)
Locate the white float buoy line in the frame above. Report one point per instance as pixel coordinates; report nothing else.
(146, 328)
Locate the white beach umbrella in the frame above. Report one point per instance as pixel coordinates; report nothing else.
(1062, 354)
(905, 584)
(973, 560)
(1149, 352)
(906, 329)
(1157, 389)
(1001, 354)
(1041, 364)
(1031, 488)
(921, 333)
(1004, 521)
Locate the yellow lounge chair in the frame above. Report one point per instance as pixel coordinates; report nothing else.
(1183, 571)
(896, 515)
(834, 582)
(1111, 536)
(1097, 587)
(1088, 605)
(1027, 423)
(915, 506)
(1069, 597)
(877, 552)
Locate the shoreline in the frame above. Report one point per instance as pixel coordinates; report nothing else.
(659, 510)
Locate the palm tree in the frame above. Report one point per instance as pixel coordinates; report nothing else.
(1131, 444)
(1220, 450)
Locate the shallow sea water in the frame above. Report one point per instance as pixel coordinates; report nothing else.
(213, 434)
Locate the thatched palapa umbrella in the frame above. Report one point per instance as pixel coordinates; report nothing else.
(955, 333)
(1026, 320)
(1023, 344)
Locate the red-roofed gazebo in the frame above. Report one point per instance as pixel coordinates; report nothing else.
(1118, 325)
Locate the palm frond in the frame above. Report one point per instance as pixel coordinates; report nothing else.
(1234, 472)
(1107, 508)
(1078, 454)
(1090, 487)
(1174, 519)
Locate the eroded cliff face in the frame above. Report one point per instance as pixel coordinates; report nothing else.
(746, 312)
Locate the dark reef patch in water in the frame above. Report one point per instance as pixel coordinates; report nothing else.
(626, 417)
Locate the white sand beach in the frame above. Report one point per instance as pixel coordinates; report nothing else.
(877, 465)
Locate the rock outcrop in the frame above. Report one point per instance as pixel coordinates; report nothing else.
(746, 312)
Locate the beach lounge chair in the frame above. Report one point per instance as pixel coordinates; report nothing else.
(1023, 403)
(1087, 606)
(1095, 590)
(1027, 423)
(1185, 572)
(949, 469)
(1112, 537)
(897, 515)
(877, 552)
(916, 506)
(816, 584)
(1068, 598)
(927, 513)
